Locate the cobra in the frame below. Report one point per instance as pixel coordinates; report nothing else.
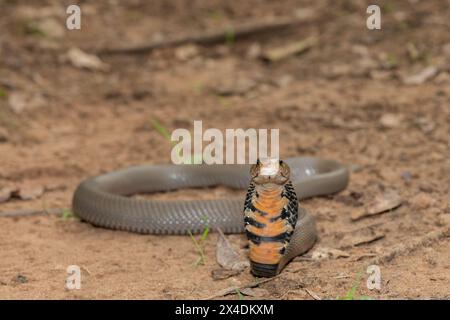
(105, 201)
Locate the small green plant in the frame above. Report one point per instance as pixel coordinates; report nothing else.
(67, 214)
(199, 87)
(224, 101)
(3, 93)
(230, 36)
(31, 28)
(351, 293)
(165, 133)
(388, 8)
(200, 244)
(161, 129)
(239, 294)
(392, 61)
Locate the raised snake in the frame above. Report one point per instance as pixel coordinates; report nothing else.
(105, 200)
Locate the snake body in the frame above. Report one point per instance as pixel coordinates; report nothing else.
(104, 200)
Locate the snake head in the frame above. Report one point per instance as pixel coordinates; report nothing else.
(270, 170)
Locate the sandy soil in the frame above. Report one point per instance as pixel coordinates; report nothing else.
(347, 98)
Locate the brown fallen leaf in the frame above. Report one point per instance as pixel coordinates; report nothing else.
(363, 239)
(6, 193)
(283, 52)
(30, 193)
(388, 201)
(83, 60)
(226, 255)
(255, 292)
(421, 77)
(221, 274)
(186, 52)
(391, 120)
(323, 253)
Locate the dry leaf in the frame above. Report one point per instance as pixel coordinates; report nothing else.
(328, 253)
(391, 120)
(227, 257)
(27, 193)
(280, 53)
(368, 239)
(220, 274)
(186, 52)
(388, 201)
(361, 239)
(421, 77)
(255, 292)
(6, 193)
(83, 60)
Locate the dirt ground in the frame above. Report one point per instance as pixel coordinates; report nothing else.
(376, 100)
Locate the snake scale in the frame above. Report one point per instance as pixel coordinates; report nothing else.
(105, 201)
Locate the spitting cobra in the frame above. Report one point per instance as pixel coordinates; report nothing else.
(105, 201)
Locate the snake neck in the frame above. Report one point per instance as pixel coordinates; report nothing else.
(269, 199)
(268, 228)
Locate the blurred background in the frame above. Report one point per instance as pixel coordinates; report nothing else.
(77, 103)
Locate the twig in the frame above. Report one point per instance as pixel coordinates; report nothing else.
(210, 38)
(31, 212)
(366, 226)
(312, 294)
(233, 289)
(403, 249)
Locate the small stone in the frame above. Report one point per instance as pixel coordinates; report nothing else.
(421, 77)
(186, 52)
(83, 60)
(254, 51)
(391, 120)
(20, 278)
(406, 176)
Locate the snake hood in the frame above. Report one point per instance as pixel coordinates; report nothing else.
(271, 213)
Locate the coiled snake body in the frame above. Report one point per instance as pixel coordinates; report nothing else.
(104, 200)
